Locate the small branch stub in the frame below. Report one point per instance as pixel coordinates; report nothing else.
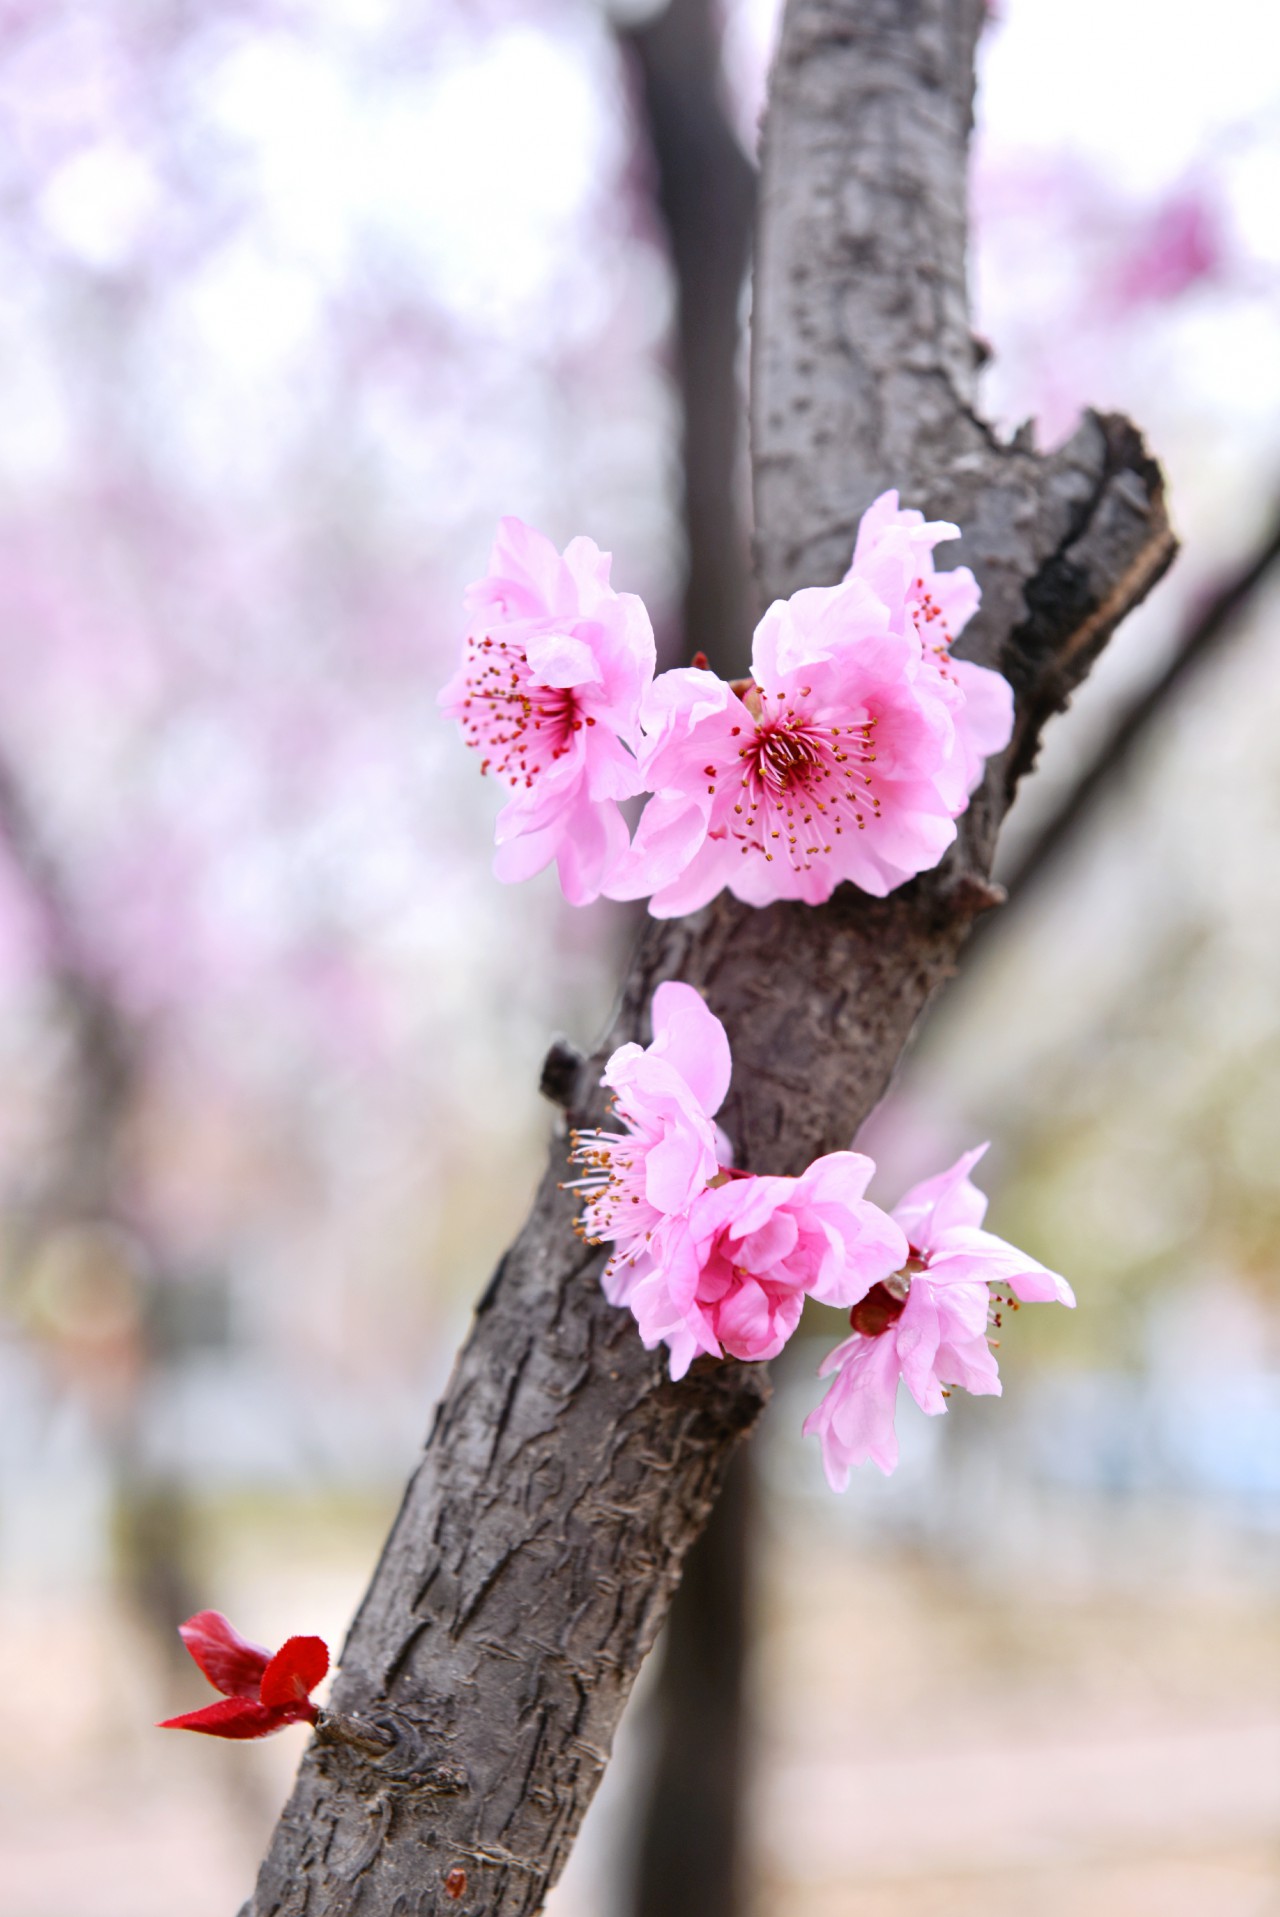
(560, 1071)
(359, 1733)
(973, 894)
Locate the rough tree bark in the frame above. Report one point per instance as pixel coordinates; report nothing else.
(565, 1477)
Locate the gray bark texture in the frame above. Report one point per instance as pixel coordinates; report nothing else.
(565, 1477)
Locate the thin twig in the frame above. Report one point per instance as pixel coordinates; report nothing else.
(1113, 756)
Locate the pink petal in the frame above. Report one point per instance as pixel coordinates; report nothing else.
(873, 1253)
(676, 1168)
(710, 869)
(964, 1255)
(524, 854)
(672, 828)
(957, 592)
(766, 1248)
(687, 1033)
(558, 659)
(592, 839)
(917, 1335)
(971, 1364)
(854, 1422)
(754, 1325)
(527, 558)
(943, 1201)
(987, 715)
(839, 1178)
(586, 562)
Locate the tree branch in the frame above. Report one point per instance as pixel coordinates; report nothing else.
(1196, 646)
(565, 1476)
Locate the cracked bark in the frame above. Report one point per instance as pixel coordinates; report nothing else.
(564, 1476)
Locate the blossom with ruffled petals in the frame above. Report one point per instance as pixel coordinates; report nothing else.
(555, 665)
(927, 1324)
(734, 1273)
(894, 556)
(849, 752)
(824, 768)
(636, 1182)
(261, 1693)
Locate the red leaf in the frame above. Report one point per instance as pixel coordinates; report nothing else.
(229, 1717)
(294, 1672)
(231, 1663)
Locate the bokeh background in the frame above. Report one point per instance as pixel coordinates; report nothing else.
(296, 298)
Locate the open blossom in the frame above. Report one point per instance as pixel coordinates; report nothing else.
(823, 769)
(555, 664)
(638, 1181)
(261, 1693)
(848, 753)
(926, 1324)
(894, 555)
(737, 1268)
(707, 1259)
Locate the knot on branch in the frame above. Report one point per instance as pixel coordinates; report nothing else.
(560, 1071)
(405, 1749)
(365, 1734)
(971, 893)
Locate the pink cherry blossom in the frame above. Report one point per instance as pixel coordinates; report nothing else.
(734, 1272)
(926, 1324)
(825, 768)
(849, 752)
(894, 555)
(637, 1182)
(555, 664)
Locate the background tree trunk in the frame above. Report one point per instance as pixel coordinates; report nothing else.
(565, 1476)
(683, 1852)
(689, 1860)
(706, 194)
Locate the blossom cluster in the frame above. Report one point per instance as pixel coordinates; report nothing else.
(711, 1260)
(848, 754)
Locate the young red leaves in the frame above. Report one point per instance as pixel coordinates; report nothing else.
(260, 1693)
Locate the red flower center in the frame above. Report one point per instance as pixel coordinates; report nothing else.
(520, 727)
(884, 1303)
(804, 782)
(873, 1314)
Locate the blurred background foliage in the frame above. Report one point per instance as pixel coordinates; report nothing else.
(296, 298)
